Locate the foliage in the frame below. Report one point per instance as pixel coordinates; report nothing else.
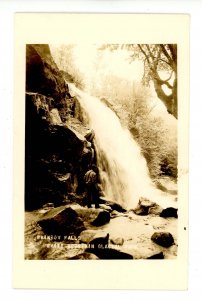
(65, 59)
(158, 59)
(153, 139)
(131, 102)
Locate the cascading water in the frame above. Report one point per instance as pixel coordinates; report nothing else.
(123, 169)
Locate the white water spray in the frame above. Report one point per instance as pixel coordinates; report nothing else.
(123, 169)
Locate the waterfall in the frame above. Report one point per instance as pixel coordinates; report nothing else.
(123, 169)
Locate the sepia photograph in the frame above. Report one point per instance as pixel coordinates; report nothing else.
(101, 151)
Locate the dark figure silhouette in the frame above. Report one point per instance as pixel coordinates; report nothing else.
(92, 190)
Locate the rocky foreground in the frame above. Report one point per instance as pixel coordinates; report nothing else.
(72, 231)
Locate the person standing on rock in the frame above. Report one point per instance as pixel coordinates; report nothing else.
(92, 190)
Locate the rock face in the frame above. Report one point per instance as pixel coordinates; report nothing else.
(55, 160)
(43, 75)
(52, 152)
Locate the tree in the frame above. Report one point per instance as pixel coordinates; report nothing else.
(157, 58)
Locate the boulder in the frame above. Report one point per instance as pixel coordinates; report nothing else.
(169, 212)
(87, 236)
(102, 218)
(164, 239)
(61, 221)
(92, 216)
(145, 207)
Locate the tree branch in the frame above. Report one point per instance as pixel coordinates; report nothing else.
(162, 82)
(166, 53)
(173, 50)
(165, 81)
(146, 56)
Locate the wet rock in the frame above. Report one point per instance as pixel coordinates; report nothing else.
(169, 212)
(61, 221)
(159, 255)
(164, 239)
(84, 256)
(117, 241)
